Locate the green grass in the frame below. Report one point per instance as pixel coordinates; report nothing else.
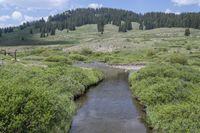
(169, 88)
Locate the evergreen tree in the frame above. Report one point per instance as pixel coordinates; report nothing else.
(72, 27)
(129, 25)
(187, 32)
(141, 27)
(53, 31)
(0, 32)
(100, 27)
(31, 31)
(42, 35)
(22, 38)
(122, 27)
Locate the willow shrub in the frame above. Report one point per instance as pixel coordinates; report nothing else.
(179, 59)
(171, 94)
(34, 99)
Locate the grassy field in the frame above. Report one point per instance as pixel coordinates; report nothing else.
(168, 87)
(134, 46)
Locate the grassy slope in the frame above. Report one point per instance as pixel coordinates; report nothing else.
(134, 45)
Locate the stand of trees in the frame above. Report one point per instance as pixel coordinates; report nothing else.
(8, 30)
(125, 26)
(151, 20)
(72, 18)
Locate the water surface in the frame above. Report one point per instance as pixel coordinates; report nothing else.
(108, 107)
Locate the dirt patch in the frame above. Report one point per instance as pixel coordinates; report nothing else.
(131, 67)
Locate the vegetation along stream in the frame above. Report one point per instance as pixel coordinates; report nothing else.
(108, 107)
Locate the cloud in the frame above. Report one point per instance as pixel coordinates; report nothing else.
(6, 25)
(95, 5)
(170, 11)
(31, 18)
(44, 4)
(186, 2)
(4, 18)
(16, 15)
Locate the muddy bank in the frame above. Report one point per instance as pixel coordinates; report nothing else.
(127, 67)
(131, 67)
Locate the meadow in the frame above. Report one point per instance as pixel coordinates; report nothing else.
(168, 87)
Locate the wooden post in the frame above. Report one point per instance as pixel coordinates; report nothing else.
(15, 55)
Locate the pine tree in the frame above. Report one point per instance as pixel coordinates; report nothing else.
(100, 26)
(141, 26)
(31, 31)
(129, 25)
(22, 38)
(187, 32)
(72, 27)
(53, 31)
(122, 28)
(0, 32)
(42, 35)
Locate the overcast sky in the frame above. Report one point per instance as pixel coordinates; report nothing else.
(15, 12)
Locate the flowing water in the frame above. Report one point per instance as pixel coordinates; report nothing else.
(109, 106)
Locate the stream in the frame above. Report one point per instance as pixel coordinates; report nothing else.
(109, 106)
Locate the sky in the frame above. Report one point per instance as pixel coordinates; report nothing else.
(16, 12)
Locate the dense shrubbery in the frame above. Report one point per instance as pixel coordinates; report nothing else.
(171, 95)
(34, 99)
(77, 57)
(57, 58)
(179, 58)
(86, 51)
(151, 52)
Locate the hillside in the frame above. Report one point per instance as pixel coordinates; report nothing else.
(38, 32)
(134, 45)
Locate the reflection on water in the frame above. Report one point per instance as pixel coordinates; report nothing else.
(108, 107)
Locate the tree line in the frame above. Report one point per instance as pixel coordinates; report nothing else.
(150, 20)
(72, 18)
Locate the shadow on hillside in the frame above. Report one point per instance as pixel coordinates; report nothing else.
(37, 43)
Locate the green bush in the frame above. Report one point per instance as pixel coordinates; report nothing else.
(171, 95)
(41, 100)
(77, 57)
(188, 47)
(86, 51)
(179, 58)
(179, 118)
(151, 52)
(56, 58)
